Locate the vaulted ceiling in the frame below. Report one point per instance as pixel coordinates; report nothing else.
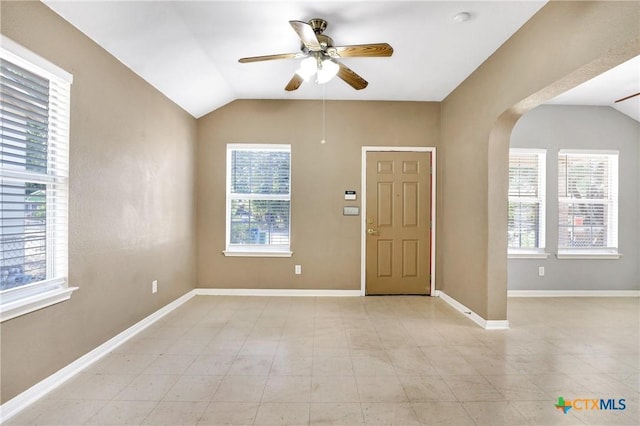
(611, 88)
(189, 50)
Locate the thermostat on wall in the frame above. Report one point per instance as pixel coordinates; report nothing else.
(350, 195)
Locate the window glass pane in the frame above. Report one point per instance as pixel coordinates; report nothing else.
(22, 234)
(587, 203)
(260, 172)
(523, 175)
(259, 197)
(582, 225)
(583, 177)
(526, 208)
(25, 148)
(262, 222)
(524, 219)
(25, 119)
(34, 155)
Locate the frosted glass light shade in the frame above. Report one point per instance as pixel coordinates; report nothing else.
(328, 70)
(323, 70)
(307, 69)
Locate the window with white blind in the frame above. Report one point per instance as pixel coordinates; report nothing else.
(34, 165)
(587, 202)
(258, 200)
(526, 223)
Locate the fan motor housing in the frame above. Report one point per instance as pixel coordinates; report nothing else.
(318, 25)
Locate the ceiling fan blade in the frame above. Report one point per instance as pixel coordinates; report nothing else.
(626, 97)
(351, 78)
(294, 83)
(271, 57)
(362, 50)
(307, 35)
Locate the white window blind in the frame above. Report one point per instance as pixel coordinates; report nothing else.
(34, 170)
(258, 198)
(526, 223)
(588, 201)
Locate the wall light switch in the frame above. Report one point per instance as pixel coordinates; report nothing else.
(298, 269)
(541, 271)
(350, 211)
(154, 286)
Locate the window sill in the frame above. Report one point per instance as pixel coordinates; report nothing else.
(233, 253)
(33, 303)
(588, 256)
(528, 255)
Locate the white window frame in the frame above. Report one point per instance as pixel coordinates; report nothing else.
(54, 289)
(611, 251)
(541, 199)
(254, 250)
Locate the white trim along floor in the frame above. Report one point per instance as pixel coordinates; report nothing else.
(401, 360)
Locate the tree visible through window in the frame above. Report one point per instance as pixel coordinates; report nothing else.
(28, 174)
(526, 200)
(34, 146)
(258, 197)
(587, 201)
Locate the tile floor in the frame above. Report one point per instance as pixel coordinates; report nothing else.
(349, 361)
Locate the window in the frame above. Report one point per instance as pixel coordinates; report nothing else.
(587, 202)
(526, 228)
(258, 200)
(34, 116)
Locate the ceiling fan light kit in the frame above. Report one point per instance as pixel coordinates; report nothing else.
(327, 69)
(320, 56)
(322, 69)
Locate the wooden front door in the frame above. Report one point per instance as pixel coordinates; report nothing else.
(398, 208)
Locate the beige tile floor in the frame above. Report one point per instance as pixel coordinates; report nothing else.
(349, 361)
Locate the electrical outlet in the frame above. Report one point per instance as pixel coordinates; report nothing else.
(154, 286)
(541, 271)
(298, 269)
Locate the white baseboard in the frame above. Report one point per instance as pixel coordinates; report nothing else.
(40, 389)
(486, 324)
(573, 293)
(275, 292)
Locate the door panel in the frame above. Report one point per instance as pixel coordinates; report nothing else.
(385, 258)
(410, 258)
(385, 204)
(398, 248)
(410, 207)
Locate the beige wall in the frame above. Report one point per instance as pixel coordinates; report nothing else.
(324, 242)
(131, 212)
(561, 46)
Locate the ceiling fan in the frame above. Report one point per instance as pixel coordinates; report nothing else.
(320, 56)
(626, 97)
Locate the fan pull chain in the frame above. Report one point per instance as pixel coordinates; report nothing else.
(323, 140)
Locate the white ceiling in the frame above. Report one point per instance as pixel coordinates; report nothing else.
(605, 89)
(189, 50)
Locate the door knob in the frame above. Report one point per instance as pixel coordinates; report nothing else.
(372, 231)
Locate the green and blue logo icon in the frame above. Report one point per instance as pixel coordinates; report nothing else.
(563, 405)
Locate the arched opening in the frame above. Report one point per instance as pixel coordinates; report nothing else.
(498, 155)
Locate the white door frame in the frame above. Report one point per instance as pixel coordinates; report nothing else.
(363, 231)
